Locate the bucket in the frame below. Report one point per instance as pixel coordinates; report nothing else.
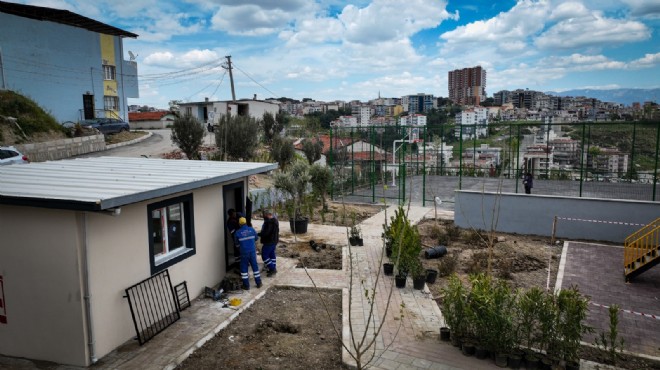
(435, 252)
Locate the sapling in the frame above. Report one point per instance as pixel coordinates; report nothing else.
(610, 342)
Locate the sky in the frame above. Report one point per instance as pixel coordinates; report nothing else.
(345, 50)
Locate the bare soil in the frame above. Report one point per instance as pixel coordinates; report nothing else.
(321, 256)
(124, 136)
(288, 328)
(521, 259)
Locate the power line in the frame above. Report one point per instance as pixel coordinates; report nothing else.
(253, 80)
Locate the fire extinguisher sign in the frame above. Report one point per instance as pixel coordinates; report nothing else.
(3, 303)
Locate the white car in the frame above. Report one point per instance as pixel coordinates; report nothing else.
(10, 155)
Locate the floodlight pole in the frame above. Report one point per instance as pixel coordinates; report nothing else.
(394, 156)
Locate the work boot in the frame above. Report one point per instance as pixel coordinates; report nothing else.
(259, 285)
(246, 287)
(271, 273)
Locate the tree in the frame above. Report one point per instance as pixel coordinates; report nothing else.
(312, 150)
(187, 134)
(242, 134)
(321, 178)
(282, 151)
(273, 125)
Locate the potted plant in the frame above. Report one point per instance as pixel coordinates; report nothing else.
(418, 274)
(572, 313)
(355, 236)
(454, 304)
(294, 182)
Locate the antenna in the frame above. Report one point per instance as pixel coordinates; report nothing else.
(132, 56)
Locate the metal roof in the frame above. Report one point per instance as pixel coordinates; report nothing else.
(61, 16)
(101, 183)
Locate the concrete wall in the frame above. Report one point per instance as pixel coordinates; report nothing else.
(64, 148)
(40, 266)
(149, 125)
(612, 220)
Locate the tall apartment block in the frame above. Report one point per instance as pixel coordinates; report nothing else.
(467, 86)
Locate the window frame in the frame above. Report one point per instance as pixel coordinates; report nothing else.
(181, 253)
(109, 72)
(114, 105)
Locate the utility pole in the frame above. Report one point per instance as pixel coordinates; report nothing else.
(233, 100)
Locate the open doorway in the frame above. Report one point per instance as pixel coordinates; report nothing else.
(232, 195)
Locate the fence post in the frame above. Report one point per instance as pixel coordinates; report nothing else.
(330, 164)
(582, 157)
(655, 169)
(554, 230)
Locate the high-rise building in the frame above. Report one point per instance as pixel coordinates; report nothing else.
(420, 103)
(467, 86)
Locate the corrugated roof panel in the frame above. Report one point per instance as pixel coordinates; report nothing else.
(108, 182)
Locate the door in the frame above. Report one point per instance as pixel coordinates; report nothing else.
(88, 106)
(232, 197)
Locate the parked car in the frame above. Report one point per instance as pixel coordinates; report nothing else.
(107, 125)
(10, 155)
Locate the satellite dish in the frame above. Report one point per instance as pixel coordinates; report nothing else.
(133, 56)
(438, 201)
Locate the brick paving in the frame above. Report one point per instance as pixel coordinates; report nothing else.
(409, 338)
(597, 270)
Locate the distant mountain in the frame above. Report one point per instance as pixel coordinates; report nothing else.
(622, 96)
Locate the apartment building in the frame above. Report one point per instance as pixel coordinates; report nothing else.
(467, 86)
(419, 103)
(413, 120)
(472, 123)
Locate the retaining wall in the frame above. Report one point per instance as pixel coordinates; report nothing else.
(577, 218)
(63, 148)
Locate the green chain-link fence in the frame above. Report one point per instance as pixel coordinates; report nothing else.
(600, 160)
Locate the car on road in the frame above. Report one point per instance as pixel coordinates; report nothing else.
(11, 155)
(107, 126)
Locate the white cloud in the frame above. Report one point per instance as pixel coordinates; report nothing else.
(644, 7)
(648, 61)
(257, 18)
(592, 30)
(569, 10)
(580, 62)
(159, 59)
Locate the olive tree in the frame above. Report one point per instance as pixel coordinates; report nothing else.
(312, 150)
(283, 151)
(188, 133)
(237, 137)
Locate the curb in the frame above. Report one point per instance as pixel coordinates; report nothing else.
(134, 141)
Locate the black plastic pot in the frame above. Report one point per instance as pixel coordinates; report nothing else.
(388, 268)
(400, 281)
(299, 226)
(435, 252)
(418, 282)
(355, 241)
(515, 361)
(455, 340)
(444, 334)
(572, 365)
(545, 363)
(388, 251)
(467, 349)
(481, 352)
(501, 359)
(532, 361)
(431, 275)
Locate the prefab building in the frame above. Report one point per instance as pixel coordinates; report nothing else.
(77, 233)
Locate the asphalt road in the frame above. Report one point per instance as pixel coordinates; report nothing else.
(153, 147)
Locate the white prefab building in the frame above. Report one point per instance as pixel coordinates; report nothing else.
(77, 233)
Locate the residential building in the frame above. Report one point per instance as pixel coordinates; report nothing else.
(211, 111)
(70, 65)
(363, 114)
(472, 123)
(420, 103)
(151, 120)
(467, 86)
(413, 120)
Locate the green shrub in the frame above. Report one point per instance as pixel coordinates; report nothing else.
(447, 264)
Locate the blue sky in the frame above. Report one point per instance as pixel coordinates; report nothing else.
(332, 49)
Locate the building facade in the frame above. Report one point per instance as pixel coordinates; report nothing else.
(419, 103)
(72, 66)
(467, 86)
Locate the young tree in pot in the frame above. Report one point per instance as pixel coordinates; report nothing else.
(528, 304)
(572, 313)
(454, 306)
(355, 236)
(294, 182)
(418, 274)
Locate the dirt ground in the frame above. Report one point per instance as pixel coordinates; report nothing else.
(522, 260)
(287, 328)
(321, 256)
(124, 136)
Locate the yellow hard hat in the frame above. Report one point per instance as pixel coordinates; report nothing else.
(242, 221)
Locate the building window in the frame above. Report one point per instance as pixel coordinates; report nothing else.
(171, 234)
(111, 102)
(109, 72)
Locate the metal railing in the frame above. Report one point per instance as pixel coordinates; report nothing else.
(641, 247)
(153, 305)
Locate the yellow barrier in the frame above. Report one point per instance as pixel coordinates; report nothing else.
(642, 242)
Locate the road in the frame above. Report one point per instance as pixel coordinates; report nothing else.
(153, 147)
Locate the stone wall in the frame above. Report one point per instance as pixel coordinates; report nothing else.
(63, 148)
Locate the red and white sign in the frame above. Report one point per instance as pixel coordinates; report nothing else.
(3, 303)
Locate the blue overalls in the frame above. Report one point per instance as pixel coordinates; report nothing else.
(246, 237)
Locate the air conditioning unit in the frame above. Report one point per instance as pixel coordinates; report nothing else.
(105, 62)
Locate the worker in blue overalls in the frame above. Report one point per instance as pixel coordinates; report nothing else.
(246, 237)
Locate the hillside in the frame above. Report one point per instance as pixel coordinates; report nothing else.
(32, 123)
(621, 96)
